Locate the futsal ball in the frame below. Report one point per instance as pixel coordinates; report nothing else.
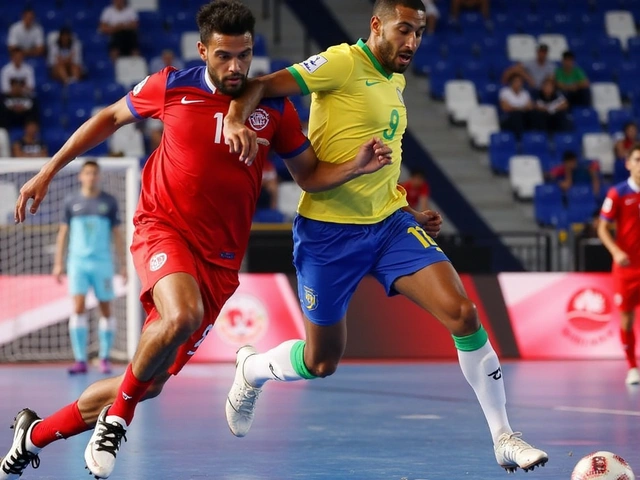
(602, 466)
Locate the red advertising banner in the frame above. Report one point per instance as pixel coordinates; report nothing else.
(396, 328)
(563, 315)
(263, 312)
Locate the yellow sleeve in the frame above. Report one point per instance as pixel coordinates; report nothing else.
(326, 71)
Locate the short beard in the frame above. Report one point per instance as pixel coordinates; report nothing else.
(219, 84)
(387, 57)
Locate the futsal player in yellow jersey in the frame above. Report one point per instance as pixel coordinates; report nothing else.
(364, 226)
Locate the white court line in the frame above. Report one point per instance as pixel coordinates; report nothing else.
(420, 417)
(607, 411)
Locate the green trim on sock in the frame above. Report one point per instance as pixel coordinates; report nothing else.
(472, 342)
(297, 360)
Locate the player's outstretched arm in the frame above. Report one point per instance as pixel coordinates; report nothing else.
(314, 175)
(61, 242)
(91, 133)
(241, 139)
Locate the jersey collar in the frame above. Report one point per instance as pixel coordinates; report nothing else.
(635, 187)
(208, 81)
(373, 59)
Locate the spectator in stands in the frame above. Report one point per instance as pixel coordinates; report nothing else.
(17, 69)
(573, 82)
(456, 5)
(120, 22)
(268, 198)
(65, 57)
(628, 139)
(418, 190)
(433, 14)
(165, 59)
(572, 172)
(536, 71)
(18, 106)
(552, 107)
(27, 35)
(517, 107)
(30, 145)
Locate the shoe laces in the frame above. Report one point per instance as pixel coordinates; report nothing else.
(513, 442)
(246, 399)
(16, 463)
(110, 437)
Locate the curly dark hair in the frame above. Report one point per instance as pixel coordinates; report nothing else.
(228, 17)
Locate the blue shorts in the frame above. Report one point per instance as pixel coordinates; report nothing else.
(83, 275)
(331, 259)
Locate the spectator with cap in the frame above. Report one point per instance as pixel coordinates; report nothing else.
(27, 35)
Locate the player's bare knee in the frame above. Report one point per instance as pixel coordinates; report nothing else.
(181, 324)
(464, 318)
(323, 368)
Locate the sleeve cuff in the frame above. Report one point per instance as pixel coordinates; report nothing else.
(132, 109)
(296, 152)
(301, 83)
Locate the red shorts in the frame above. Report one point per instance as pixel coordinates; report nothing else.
(626, 283)
(158, 251)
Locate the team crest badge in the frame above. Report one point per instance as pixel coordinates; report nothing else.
(259, 119)
(400, 97)
(157, 261)
(310, 298)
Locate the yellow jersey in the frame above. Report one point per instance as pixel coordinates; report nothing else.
(353, 99)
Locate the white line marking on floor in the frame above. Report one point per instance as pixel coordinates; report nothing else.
(606, 411)
(420, 417)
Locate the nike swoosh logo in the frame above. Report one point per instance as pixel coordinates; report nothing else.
(369, 83)
(184, 101)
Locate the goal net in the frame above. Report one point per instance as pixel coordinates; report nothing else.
(34, 307)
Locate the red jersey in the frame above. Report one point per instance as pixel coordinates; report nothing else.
(191, 182)
(622, 206)
(414, 193)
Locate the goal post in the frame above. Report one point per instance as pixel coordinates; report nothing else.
(34, 307)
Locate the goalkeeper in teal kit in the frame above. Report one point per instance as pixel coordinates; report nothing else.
(91, 223)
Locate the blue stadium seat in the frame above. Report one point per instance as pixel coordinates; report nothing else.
(49, 92)
(609, 49)
(260, 46)
(110, 92)
(531, 23)
(280, 64)
(488, 92)
(549, 161)
(78, 111)
(52, 19)
(564, 142)
(502, 146)
(475, 70)
(620, 172)
(54, 138)
(581, 203)
(586, 119)
(582, 48)
(51, 114)
(616, 119)
(100, 69)
(633, 48)
(82, 90)
(100, 150)
(547, 203)
(535, 143)
(599, 71)
(441, 72)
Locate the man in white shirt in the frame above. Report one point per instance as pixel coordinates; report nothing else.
(121, 23)
(27, 35)
(517, 108)
(16, 69)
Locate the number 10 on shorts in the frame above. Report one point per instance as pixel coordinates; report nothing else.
(423, 237)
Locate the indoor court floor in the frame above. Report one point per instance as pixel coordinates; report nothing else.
(370, 421)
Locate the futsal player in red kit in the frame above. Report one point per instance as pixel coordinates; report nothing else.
(192, 223)
(621, 209)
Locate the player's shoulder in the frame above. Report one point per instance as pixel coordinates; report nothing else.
(72, 197)
(106, 196)
(621, 189)
(193, 77)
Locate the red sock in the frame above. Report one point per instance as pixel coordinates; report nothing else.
(129, 395)
(65, 423)
(629, 344)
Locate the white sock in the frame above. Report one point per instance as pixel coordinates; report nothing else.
(482, 370)
(274, 364)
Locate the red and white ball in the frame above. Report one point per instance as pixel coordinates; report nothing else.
(602, 466)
